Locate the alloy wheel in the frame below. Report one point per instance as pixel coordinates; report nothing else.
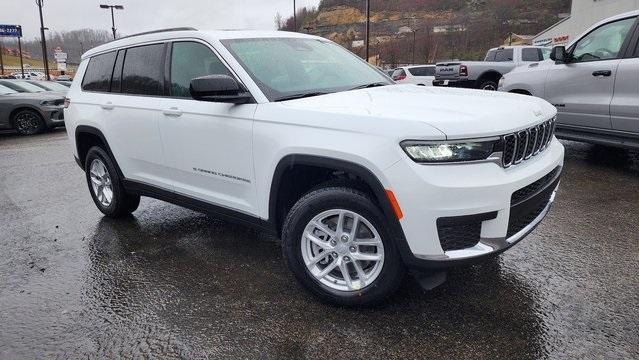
(342, 250)
(101, 182)
(27, 123)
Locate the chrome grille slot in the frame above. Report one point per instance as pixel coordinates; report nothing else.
(526, 143)
(522, 144)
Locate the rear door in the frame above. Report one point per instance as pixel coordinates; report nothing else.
(624, 109)
(208, 145)
(130, 113)
(582, 89)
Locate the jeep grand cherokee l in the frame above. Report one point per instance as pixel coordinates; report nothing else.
(362, 178)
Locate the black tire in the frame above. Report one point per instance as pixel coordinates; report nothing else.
(122, 203)
(318, 201)
(488, 85)
(28, 122)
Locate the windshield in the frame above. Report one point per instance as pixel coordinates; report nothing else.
(27, 87)
(286, 68)
(5, 90)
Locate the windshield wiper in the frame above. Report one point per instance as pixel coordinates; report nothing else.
(300, 96)
(371, 85)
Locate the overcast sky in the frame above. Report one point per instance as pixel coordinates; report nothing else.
(144, 15)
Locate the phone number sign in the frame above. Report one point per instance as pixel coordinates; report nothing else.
(10, 31)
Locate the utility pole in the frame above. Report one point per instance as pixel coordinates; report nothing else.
(413, 59)
(294, 17)
(45, 60)
(1, 61)
(118, 7)
(21, 62)
(368, 26)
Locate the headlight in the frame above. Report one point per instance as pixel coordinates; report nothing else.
(443, 152)
(48, 102)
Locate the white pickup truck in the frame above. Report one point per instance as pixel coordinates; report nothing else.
(485, 74)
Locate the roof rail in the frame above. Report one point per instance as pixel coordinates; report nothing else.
(157, 31)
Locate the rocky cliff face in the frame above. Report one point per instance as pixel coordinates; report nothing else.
(444, 28)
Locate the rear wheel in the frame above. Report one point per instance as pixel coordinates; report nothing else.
(106, 187)
(28, 122)
(489, 85)
(336, 244)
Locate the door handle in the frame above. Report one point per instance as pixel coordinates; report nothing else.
(601, 73)
(108, 106)
(173, 111)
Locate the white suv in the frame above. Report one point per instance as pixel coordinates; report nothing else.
(362, 178)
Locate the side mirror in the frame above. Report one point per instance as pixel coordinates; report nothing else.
(558, 54)
(219, 88)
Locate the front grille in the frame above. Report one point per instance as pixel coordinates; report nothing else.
(525, 193)
(461, 232)
(526, 143)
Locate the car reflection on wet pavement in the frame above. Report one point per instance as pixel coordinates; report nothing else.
(172, 283)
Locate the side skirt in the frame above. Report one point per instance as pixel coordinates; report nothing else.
(139, 188)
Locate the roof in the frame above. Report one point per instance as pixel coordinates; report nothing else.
(211, 35)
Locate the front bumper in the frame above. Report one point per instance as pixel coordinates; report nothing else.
(458, 83)
(482, 193)
(53, 115)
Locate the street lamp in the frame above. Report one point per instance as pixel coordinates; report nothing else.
(119, 7)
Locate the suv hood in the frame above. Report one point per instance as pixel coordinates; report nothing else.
(458, 113)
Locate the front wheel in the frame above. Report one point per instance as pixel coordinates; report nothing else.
(336, 243)
(28, 122)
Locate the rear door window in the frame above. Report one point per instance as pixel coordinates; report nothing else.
(98, 74)
(531, 54)
(503, 55)
(143, 70)
(422, 71)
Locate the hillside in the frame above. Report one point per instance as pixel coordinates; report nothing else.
(444, 28)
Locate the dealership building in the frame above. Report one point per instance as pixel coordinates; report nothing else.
(583, 14)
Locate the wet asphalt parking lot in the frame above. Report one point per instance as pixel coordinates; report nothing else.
(172, 283)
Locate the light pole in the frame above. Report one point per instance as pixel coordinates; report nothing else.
(294, 16)
(40, 4)
(119, 7)
(368, 26)
(414, 31)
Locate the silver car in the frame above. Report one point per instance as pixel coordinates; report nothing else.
(594, 83)
(30, 113)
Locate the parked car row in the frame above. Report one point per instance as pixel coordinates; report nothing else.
(31, 106)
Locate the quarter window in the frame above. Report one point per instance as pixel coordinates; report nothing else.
(143, 71)
(603, 43)
(98, 74)
(190, 60)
